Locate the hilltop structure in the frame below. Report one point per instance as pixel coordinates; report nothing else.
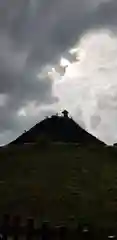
(65, 113)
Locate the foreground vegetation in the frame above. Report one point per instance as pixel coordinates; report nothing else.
(59, 182)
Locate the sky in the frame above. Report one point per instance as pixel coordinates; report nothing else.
(37, 38)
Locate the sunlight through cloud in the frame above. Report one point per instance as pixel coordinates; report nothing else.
(90, 83)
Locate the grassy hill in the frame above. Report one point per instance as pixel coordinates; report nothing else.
(57, 129)
(57, 181)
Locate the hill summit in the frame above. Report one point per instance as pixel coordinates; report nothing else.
(58, 129)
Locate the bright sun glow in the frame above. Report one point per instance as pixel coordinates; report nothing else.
(64, 62)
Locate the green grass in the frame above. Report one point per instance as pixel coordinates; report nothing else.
(59, 181)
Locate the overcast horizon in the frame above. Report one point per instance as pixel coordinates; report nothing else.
(37, 38)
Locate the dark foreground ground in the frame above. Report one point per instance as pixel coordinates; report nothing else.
(60, 182)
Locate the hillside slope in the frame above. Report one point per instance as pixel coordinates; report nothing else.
(57, 129)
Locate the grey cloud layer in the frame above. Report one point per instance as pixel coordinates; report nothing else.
(32, 33)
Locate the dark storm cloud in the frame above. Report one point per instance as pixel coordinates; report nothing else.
(107, 14)
(32, 33)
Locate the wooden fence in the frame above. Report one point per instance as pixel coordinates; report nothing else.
(12, 228)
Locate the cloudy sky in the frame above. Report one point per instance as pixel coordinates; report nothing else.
(34, 36)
